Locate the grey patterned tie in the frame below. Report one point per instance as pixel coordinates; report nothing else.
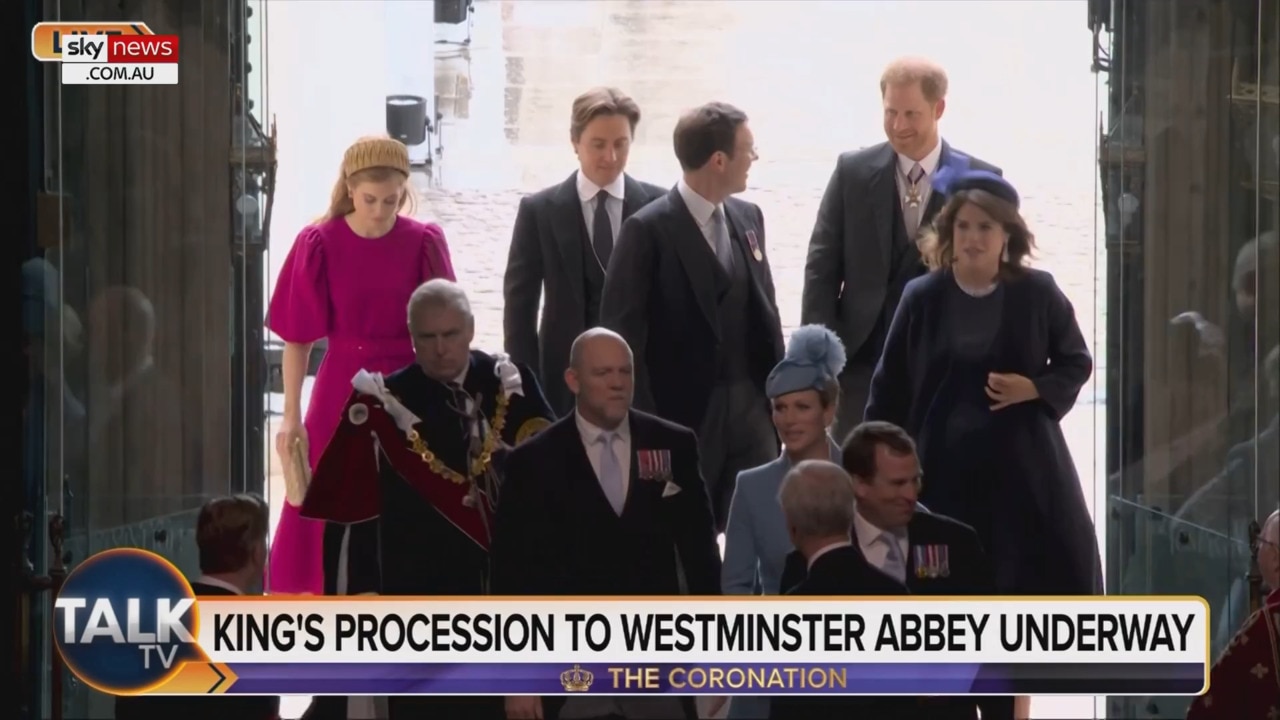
(724, 247)
(611, 480)
(894, 564)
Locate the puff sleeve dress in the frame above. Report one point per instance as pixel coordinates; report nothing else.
(354, 291)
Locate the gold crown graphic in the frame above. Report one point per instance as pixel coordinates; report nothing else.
(577, 679)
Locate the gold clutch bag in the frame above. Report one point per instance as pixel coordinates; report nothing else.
(297, 472)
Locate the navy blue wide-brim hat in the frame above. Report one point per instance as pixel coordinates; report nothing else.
(951, 180)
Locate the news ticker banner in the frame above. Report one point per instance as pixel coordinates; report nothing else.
(107, 53)
(127, 622)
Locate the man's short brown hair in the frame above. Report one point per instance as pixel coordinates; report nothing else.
(911, 70)
(705, 131)
(227, 530)
(858, 456)
(598, 102)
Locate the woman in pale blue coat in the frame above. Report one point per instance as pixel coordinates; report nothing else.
(804, 390)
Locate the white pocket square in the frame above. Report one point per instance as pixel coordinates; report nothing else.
(670, 489)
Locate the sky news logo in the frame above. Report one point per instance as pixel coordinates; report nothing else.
(107, 53)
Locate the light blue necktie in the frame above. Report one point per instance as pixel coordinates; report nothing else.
(724, 248)
(611, 473)
(894, 564)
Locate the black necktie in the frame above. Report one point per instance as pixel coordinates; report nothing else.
(602, 230)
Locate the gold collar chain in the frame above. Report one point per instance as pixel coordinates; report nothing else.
(478, 465)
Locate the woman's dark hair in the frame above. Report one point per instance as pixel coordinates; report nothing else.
(937, 244)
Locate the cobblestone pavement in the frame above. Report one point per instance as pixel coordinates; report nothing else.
(807, 74)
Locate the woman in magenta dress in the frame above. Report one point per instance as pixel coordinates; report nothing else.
(347, 278)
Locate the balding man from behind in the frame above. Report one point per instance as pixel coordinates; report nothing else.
(607, 501)
(818, 503)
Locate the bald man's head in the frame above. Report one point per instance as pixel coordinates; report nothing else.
(600, 377)
(593, 337)
(1269, 551)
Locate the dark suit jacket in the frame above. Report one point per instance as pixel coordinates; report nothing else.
(969, 574)
(1039, 339)
(846, 274)
(659, 295)
(215, 707)
(844, 571)
(556, 534)
(546, 256)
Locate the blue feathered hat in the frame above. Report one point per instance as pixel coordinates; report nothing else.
(951, 179)
(814, 356)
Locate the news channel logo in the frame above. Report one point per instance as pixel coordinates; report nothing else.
(126, 622)
(48, 39)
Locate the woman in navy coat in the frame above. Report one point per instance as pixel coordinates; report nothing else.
(983, 358)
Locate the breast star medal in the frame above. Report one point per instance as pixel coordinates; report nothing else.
(913, 196)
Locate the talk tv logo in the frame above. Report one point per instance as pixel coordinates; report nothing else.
(126, 622)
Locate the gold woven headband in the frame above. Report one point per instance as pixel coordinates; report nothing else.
(375, 152)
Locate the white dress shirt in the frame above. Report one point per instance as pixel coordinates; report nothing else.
(621, 447)
(588, 192)
(701, 209)
(215, 582)
(929, 164)
(873, 548)
(826, 549)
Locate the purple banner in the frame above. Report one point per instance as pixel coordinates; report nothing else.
(720, 679)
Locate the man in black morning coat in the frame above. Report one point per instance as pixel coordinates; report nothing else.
(563, 238)
(931, 554)
(231, 535)
(690, 289)
(415, 505)
(607, 501)
(863, 249)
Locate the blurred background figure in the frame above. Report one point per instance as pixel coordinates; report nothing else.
(52, 336)
(130, 401)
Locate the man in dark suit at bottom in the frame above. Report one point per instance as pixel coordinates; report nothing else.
(817, 501)
(231, 534)
(930, 553)
(606, 501)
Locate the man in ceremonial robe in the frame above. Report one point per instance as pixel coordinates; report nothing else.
(409, 483)
(1245, 681)
(1244, 684)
